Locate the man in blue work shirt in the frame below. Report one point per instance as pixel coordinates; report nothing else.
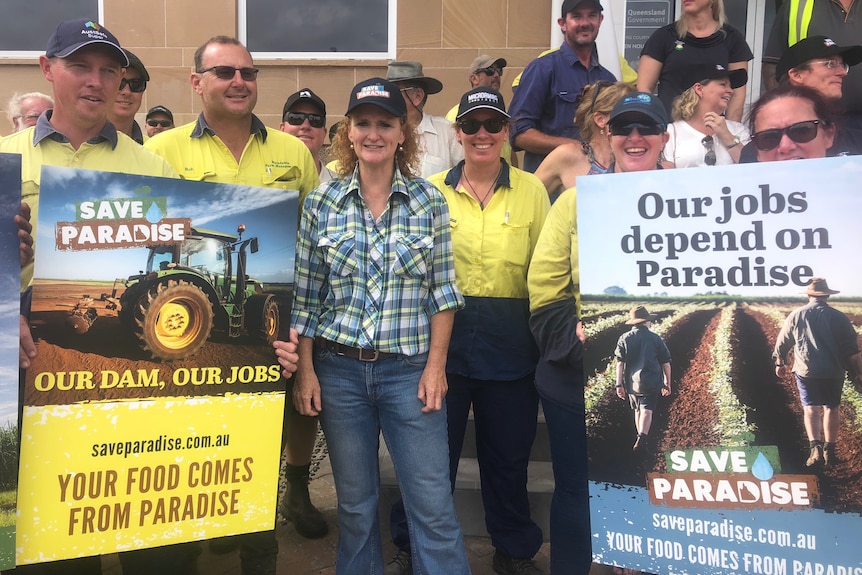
(543, 107)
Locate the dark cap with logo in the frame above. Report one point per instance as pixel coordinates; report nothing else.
(813, 48)
(481, 99)
(160, 110)
(304, 95)
(696, 74)
(378, 92)
(135, 63)
(639, 104)
(72, 35)
(569, 5)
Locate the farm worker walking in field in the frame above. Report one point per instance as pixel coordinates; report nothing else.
(824, 345)
(643, 371)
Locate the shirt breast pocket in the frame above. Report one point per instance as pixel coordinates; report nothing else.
(412, 253)
(516, 243)
(339, 253)
(283, 177)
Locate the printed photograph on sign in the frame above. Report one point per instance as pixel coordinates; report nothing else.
(724, 380)
(10, 197)
(155, 304)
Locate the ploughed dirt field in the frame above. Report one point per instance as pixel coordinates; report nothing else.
(689, 417)
(107, 362)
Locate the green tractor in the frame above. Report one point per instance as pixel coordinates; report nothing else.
(190, 288)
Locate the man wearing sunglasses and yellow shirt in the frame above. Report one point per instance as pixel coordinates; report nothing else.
(228, 143)
(128, 100)
(304, 116)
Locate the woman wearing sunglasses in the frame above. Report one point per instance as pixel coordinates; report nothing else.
(792, 123)
(561, 168)
(700, 135)
(374, 302)
(637, 125)
(497, 213)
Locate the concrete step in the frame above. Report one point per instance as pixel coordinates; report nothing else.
(468, 495)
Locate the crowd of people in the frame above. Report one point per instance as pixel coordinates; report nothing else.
(433, 276)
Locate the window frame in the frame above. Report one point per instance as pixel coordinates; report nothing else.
(389, 54)
(34, 54)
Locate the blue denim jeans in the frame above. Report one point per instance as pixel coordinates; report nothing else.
(571, 544)
(359, 400)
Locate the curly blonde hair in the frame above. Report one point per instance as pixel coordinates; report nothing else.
(406, 155)
(718, 14)
(606, 96)
(685, 104)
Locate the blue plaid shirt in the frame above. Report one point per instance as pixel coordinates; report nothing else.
(374, 284)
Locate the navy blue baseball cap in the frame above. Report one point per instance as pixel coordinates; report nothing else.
(481, 98)
(378, 92)
(72, 35)
(640, 104)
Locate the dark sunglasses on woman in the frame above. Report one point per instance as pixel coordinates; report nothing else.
(492, 126)
(800, 132)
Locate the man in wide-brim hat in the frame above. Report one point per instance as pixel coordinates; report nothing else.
(824, 346)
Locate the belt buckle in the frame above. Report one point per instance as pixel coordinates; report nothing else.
(375, 355)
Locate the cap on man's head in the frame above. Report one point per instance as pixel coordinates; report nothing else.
(160, 110)
(72, 35)
(136, 64)
(481, 98)
(409, 70)
(378, 92)
(485, 61)
(304, 95)
(639, 104)
(696, 74)
(813, 48)
(569, 5)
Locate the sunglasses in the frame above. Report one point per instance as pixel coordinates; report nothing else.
(297, 118)
(162, 123)
(492, 126)
(490, 71)
(709, 156)
(800, 132)
(643, 129)
(137, 85)
(228, 72)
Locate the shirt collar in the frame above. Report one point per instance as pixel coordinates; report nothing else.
(571, 58)
(201, 127)
(426, 125)
(399, 184)
(137, 134)
(44, 129)
(454, 175)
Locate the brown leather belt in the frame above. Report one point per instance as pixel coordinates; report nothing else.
(353, 352)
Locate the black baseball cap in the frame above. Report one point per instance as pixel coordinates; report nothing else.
(135, 62)
(304, 95)
(72, 35)
(637, 104)
(812, 48)
(701, 72)
(378, 92)
(481, 99)
(569, 5)
(160, 110)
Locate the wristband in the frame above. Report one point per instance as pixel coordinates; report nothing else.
(618, 386)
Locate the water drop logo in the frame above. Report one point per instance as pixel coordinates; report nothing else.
(154, 213)
(761, 468)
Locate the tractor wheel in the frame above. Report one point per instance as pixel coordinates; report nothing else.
(262, 318)
(174, 320)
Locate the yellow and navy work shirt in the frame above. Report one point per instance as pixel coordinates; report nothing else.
(373, 284)
(271, 159)
(491, 337)
(109, 151)
(554, 275)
